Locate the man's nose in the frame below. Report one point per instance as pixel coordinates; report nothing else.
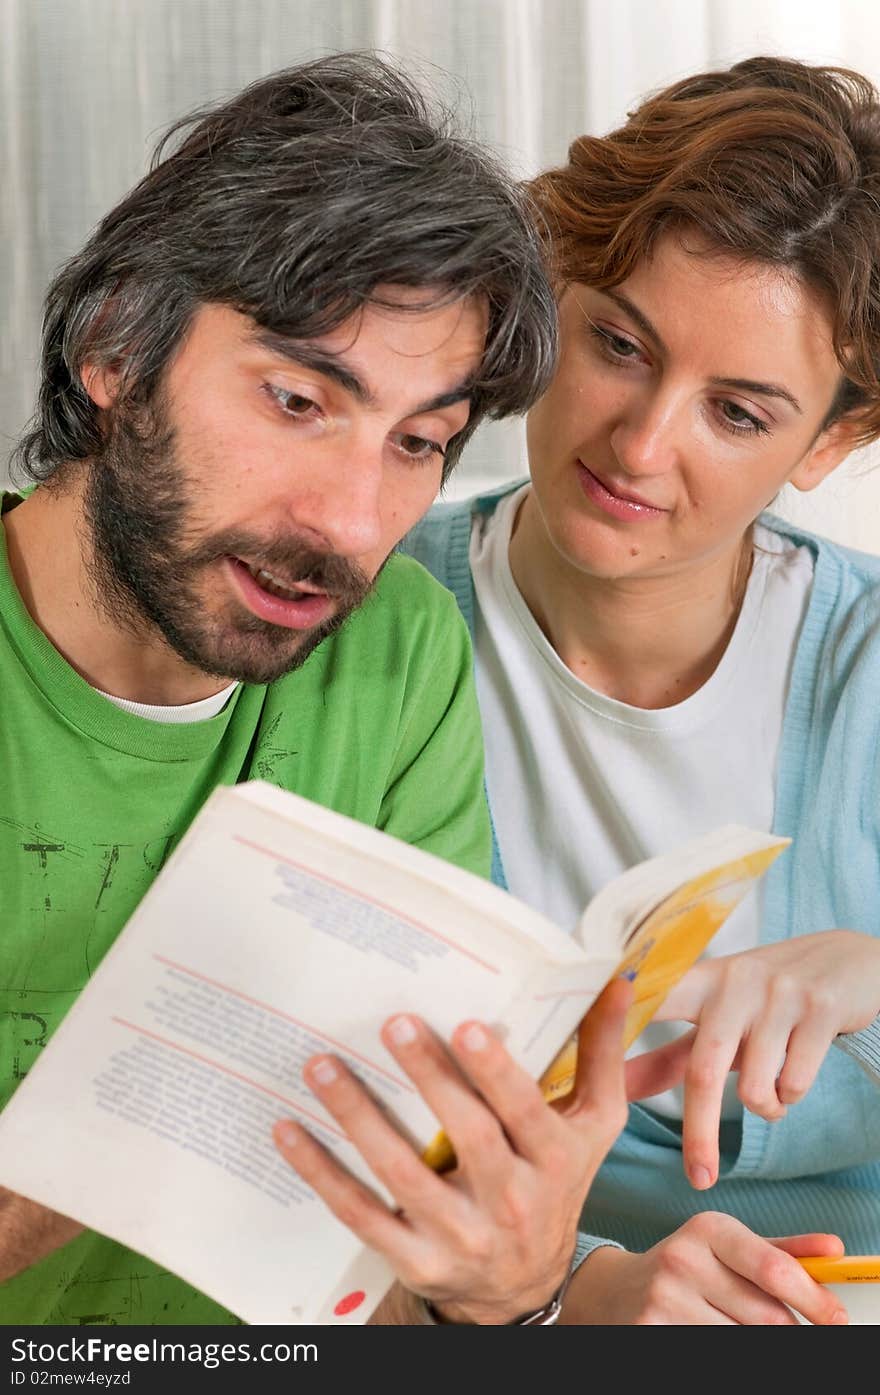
(341, 503)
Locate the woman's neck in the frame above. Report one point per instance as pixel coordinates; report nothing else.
(647, 641)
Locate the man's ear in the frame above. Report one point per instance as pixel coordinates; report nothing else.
(101, 383)
(830, 449)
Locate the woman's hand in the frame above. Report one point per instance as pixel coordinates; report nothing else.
(771, 1013)
(712, 1270)
(494, 1238)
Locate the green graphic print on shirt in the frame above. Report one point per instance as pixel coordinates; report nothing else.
(380, 723)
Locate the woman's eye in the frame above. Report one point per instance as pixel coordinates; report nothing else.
(736, 418)
(417, 447)
(614, 344)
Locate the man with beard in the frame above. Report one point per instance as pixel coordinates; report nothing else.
(255, 376)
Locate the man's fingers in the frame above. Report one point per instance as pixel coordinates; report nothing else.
(389, 1156)
(351, 1202)
(599, 1083)
(513, 1097)
(475, 1092)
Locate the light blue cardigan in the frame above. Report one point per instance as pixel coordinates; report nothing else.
(819, 1167)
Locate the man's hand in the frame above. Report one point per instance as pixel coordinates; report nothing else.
(711, 1271)
(29, 1232)
(493, 1238)
(771, 1013)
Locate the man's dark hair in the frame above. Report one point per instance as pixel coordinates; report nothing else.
(291, 203)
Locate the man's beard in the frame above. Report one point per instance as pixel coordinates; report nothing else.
(146, 562)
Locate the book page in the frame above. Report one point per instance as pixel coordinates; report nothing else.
(264, 940)
(665, 911)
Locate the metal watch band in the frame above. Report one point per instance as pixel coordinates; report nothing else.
(551, 1311)
(541, 1317)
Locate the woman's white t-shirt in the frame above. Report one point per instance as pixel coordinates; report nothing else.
(582, 786)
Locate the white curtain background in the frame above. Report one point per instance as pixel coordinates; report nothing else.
(87, 86)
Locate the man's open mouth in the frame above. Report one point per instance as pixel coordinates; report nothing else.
(295, 605)
(287, 590)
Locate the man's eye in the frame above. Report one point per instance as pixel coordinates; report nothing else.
(417, 447)
(293, 404)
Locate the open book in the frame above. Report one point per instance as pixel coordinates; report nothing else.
(278, 929)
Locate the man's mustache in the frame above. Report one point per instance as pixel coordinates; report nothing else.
(290, 559)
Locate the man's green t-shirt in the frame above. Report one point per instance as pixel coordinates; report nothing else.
(380, 723)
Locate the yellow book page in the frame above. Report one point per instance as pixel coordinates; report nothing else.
(669, 939)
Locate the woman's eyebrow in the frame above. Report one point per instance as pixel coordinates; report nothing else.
(762, 389)
(737, 384)
(635, 314)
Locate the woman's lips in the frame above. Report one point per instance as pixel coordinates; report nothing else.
(621, 506)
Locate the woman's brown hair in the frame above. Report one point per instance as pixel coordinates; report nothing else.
(771, 160)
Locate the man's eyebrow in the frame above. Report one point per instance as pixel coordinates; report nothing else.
(331, 366)
(738, 384)
(462, 393)
(319, 360)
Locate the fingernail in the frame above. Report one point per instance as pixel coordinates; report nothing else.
(701, 1178)
(287, 1133)
(324, 1072)
(475, 1039)
(402, 1031)
(841, 1317)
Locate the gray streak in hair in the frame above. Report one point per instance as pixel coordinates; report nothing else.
(291, 203)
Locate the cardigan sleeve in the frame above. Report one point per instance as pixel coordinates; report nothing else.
(864, 1048)
(585, 1246)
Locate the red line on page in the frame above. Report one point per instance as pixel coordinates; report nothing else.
(276, 1012)
(392, 910)
(246, 1080)
(562, 993)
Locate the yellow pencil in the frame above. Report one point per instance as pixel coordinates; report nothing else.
(844, 1269)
